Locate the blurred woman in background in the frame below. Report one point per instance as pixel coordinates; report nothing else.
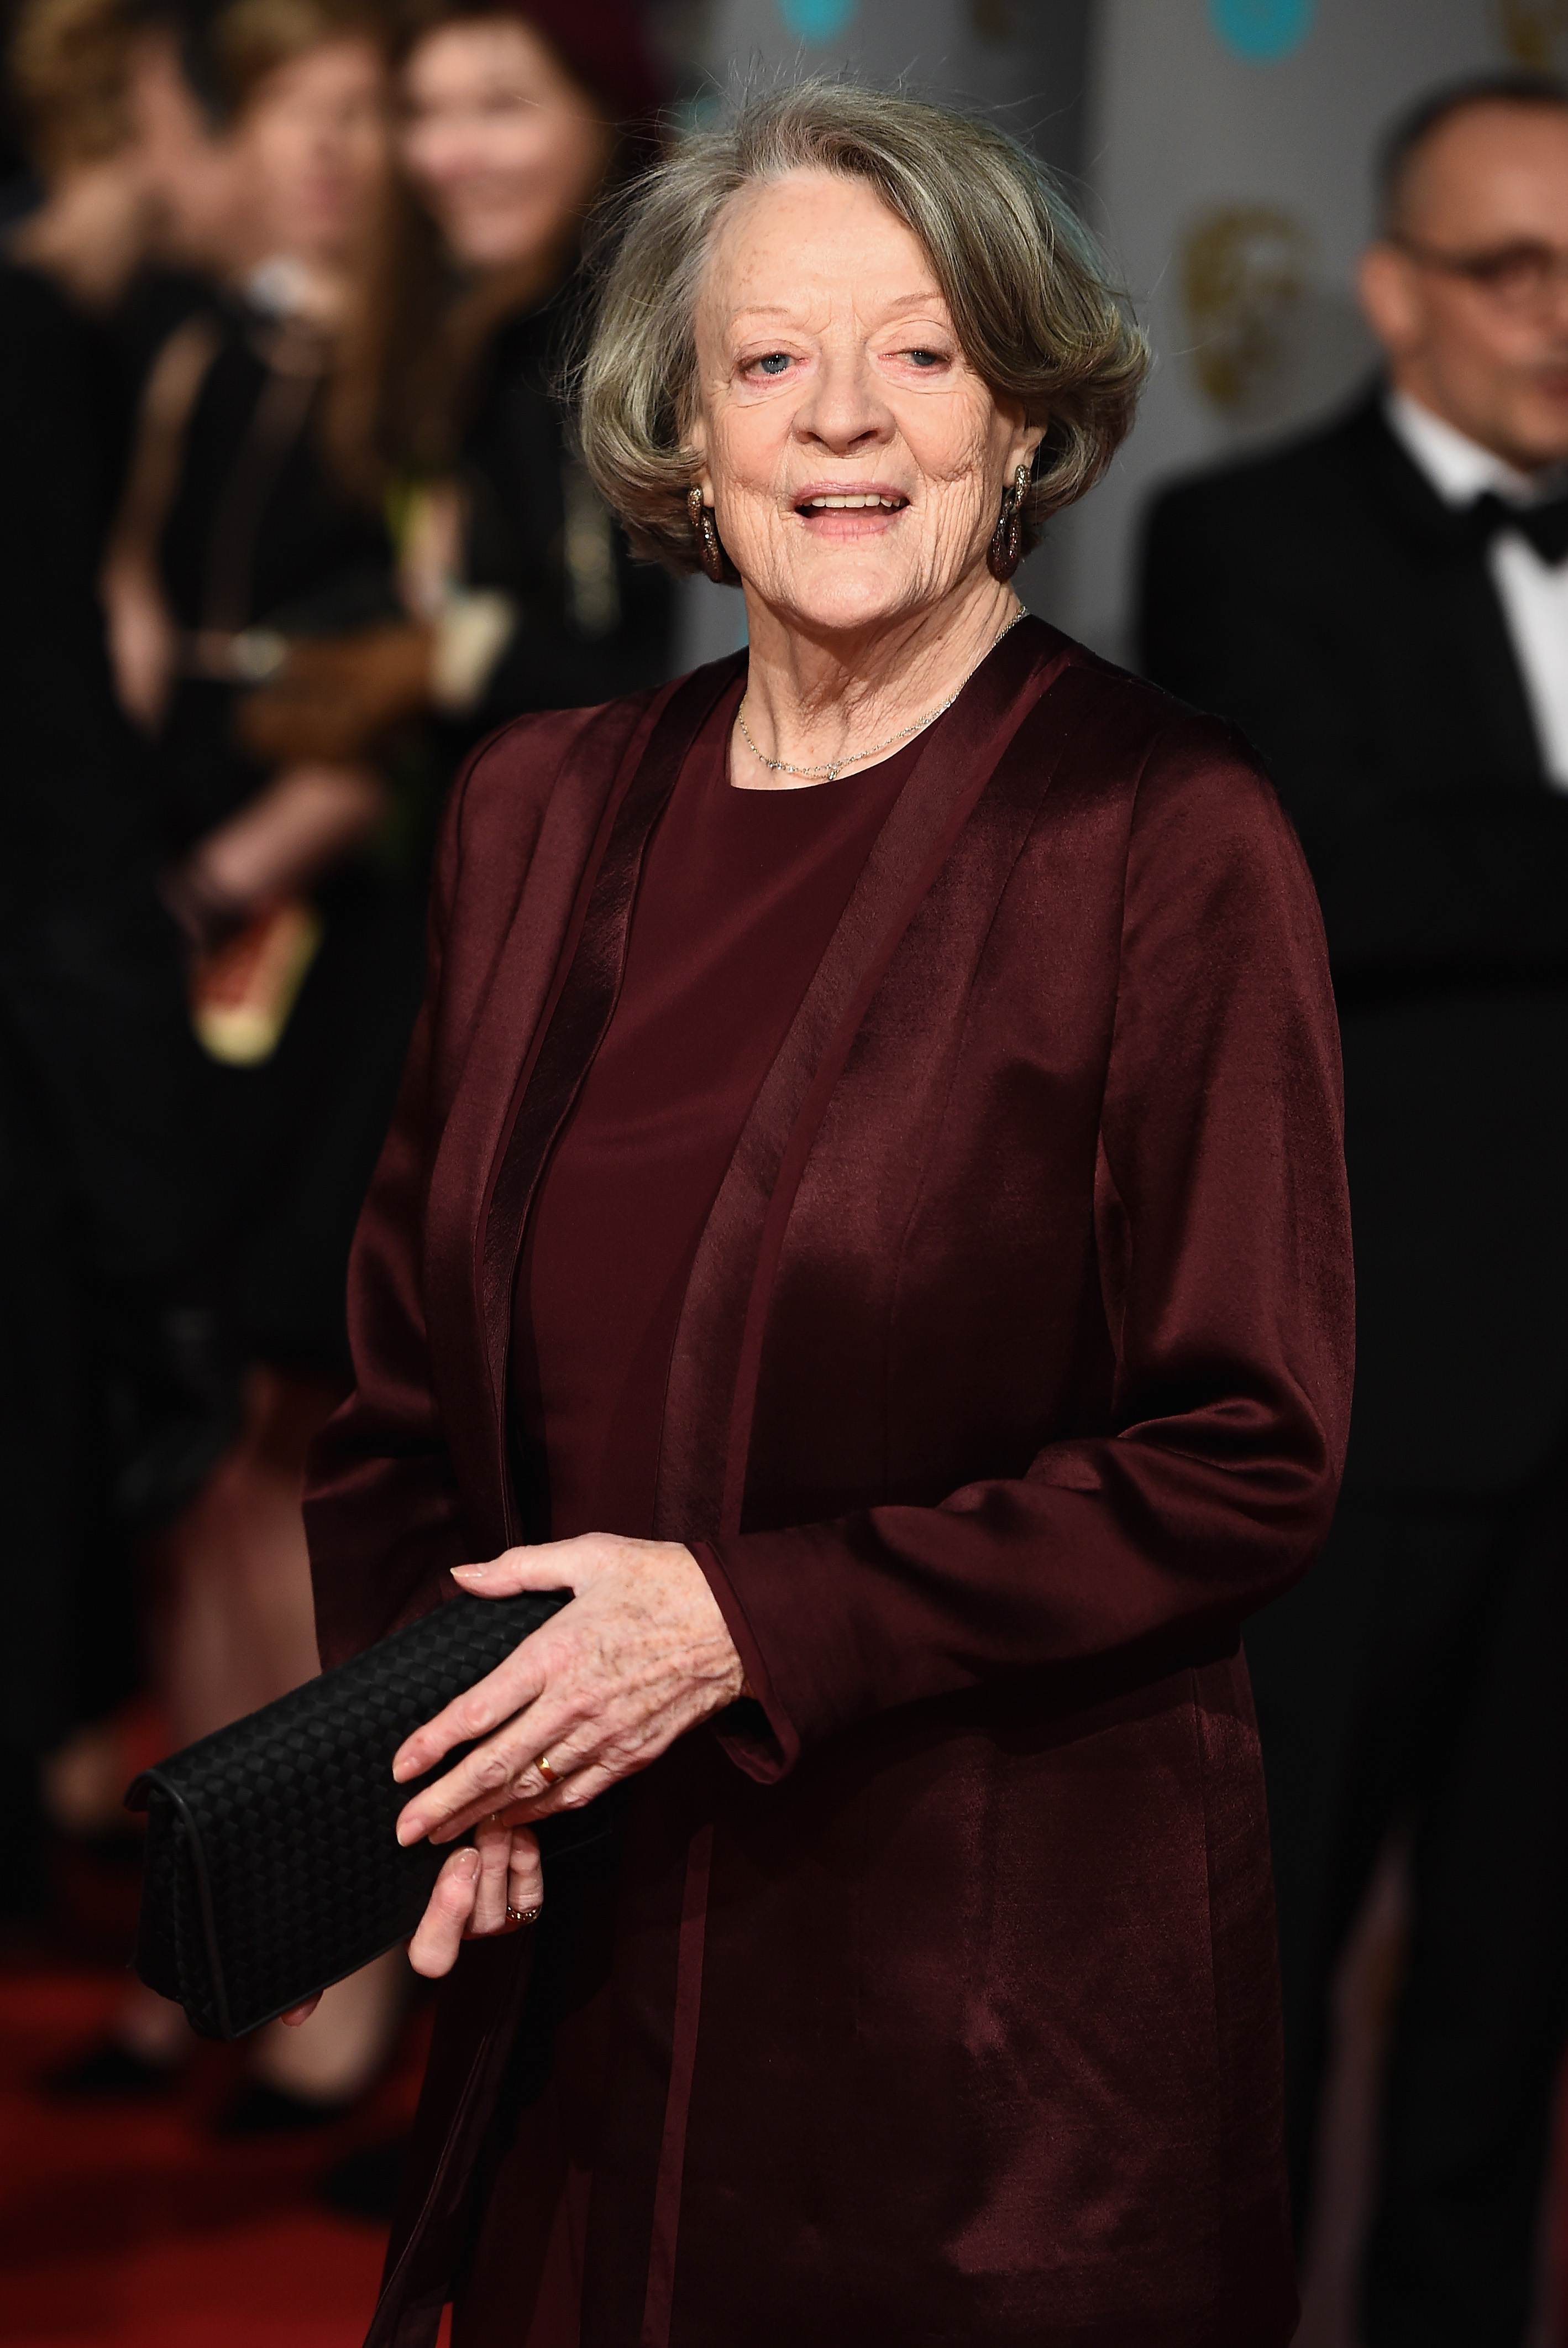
(252, 517)
(520, 588)
(515, 119)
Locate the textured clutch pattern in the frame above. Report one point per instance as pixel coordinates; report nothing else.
(272, 1865)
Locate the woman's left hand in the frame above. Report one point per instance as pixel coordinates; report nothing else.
(640, 1656)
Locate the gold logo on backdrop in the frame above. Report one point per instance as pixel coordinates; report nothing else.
(1535, 31)
(1244, 268)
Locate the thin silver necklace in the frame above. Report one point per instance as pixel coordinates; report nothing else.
(854, 758)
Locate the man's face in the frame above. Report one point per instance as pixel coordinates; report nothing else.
(1469, 292)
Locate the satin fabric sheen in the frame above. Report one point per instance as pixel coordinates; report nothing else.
(1011, 1370)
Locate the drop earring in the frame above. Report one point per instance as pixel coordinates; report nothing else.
(1006, 548)
(709, 554)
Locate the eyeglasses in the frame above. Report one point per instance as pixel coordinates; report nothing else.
(1518, 277)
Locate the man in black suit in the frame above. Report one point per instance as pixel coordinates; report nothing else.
(1384, 608)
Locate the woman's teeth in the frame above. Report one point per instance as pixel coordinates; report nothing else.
(892, 504)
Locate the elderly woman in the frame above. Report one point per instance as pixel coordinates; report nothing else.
(866, 1218)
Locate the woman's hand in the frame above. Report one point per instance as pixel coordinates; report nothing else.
(494, 1884)
(609, 1684)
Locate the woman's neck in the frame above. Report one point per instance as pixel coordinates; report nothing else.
(817, 699)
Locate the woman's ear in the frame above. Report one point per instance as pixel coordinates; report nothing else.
(1025, 445)
(696, 452)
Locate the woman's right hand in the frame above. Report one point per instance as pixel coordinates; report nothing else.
(499, 1870)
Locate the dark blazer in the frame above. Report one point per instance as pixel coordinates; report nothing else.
(1012, 1371)
(1327, 600)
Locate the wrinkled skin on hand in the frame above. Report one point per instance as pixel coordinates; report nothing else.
(640, 1656)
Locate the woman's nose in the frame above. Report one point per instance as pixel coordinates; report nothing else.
(844, 409)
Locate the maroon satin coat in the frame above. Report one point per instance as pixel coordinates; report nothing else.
(1013, 1370)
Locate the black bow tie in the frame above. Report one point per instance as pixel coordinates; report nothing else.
(1545, 525)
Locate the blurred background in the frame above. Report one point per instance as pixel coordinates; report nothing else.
(289, 520)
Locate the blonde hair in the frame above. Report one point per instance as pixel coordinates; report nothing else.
(69, 60)
(1028, 295)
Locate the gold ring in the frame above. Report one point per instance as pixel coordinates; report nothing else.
(523, 1915)
(543, 1765)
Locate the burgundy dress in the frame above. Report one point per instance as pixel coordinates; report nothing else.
(741, 890)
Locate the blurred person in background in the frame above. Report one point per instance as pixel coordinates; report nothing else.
(1384, 608)
(251, 514)
(114, 1400)
(521, 589)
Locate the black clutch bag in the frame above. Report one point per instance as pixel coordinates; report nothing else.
(273, 1866)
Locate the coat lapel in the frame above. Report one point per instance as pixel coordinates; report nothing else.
(555, 1019)
(718, 1344)
(475, 1124)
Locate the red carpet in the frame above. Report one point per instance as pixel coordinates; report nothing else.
(127, 2226)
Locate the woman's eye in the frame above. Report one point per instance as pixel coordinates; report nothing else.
(924, 359)
(773, 363)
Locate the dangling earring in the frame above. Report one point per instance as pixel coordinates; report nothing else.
(1006, 548)
(709, 554)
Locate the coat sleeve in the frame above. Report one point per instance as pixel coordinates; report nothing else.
(1464, 879)
(383, 1513)
(1224, 1240)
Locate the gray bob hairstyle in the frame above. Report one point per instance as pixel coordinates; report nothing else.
(1026, 293)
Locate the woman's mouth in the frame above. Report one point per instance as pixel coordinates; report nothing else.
(849, 513)
(856, 503)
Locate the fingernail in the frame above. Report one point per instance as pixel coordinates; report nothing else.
(467, 1862)
(473, 1569)
(408, 1830)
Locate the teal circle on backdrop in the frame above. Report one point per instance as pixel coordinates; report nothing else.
(817, 20)
(1262, 29)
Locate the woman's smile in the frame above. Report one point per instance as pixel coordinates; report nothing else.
(853, 510)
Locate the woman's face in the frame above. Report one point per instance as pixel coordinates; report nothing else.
(315, 139)
(827, 368)
(503, 145)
